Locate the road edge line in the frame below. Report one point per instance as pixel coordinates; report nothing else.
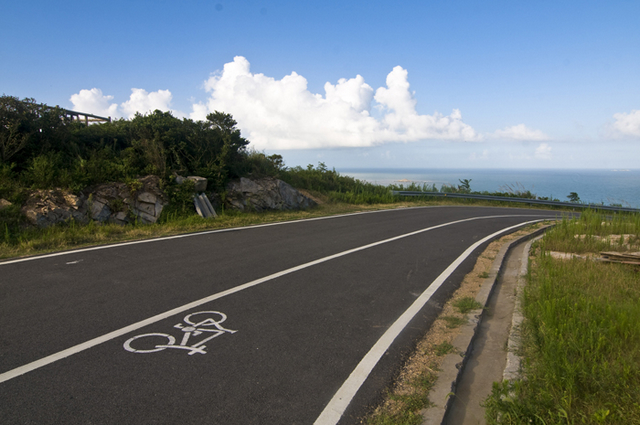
(334, 410)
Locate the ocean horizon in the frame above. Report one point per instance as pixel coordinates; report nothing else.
(608, 186)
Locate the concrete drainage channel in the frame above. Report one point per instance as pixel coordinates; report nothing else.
(466, 375)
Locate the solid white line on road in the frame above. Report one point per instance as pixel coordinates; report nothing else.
(123, 331)
(187, 235)
(340, 401)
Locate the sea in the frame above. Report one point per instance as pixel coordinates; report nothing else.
(597, 186)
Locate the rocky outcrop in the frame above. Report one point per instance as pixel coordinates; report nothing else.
(119, 203)
(46, 207)
(143, 200)
(265, 194)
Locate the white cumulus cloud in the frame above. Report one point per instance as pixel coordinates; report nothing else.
(284, 114)
(519, 132)
(144, 102)
(627, 124)
(543, 151)
(94, 102)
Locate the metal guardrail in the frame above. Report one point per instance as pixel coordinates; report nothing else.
(87, 117)
(520, 200)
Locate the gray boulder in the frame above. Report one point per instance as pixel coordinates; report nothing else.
(111, 203)
(47, 207)
(120, 203)
(265, 194)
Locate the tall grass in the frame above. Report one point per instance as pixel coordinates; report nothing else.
(580, 338)
(592, 232)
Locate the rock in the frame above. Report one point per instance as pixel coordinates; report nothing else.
(4, 203)
(47, 207)
(99, 209)
(147, 197)
(265, 194)
(146, 202)
(200, 183)
(110, 202)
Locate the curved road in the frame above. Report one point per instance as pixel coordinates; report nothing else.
(290, 323)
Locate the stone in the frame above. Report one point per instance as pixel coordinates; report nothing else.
(146, 208)
(109, 202)
(147, 197)
(4, 203)
(200, 183)
(73, 200)
(146, 202)
(44, 208)
(265, 194)
(100, 211)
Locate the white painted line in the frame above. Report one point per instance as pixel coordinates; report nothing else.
(188, 235)
(338, 404)
(127, 329)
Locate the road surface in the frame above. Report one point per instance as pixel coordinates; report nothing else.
(293, 323)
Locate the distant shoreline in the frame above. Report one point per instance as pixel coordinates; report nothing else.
(608, 186)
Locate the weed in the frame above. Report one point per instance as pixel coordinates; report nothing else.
(453, 321)
(483, 275)
(443, 348)
(425, 381)
(467, 304)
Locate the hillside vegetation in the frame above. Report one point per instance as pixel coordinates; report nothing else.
(42, 148)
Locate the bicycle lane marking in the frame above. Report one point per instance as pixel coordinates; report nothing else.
(194, 329)
(334, 410)
(151, 320)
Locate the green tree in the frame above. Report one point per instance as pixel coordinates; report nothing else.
(464, 186)
(573, 197)
(17, 125)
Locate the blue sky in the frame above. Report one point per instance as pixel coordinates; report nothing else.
(420, 84)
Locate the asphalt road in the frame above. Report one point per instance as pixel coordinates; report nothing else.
(288, 312)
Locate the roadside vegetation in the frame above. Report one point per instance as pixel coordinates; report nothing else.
(42, 148)
(581, 334)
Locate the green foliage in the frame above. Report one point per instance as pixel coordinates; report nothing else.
(258, 165)
(10, 221)
(464, 186)
(591, 232)
(42, 170)
(581, 338)
(466, 304)
(36, 137)
(409, 404)
(180, 200)
(573, 197)
(17, 125)
(443, 348)
(10, 187)
(454, 321)
(338, 188)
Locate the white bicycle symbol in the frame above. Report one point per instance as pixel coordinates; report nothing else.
(193, 328)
